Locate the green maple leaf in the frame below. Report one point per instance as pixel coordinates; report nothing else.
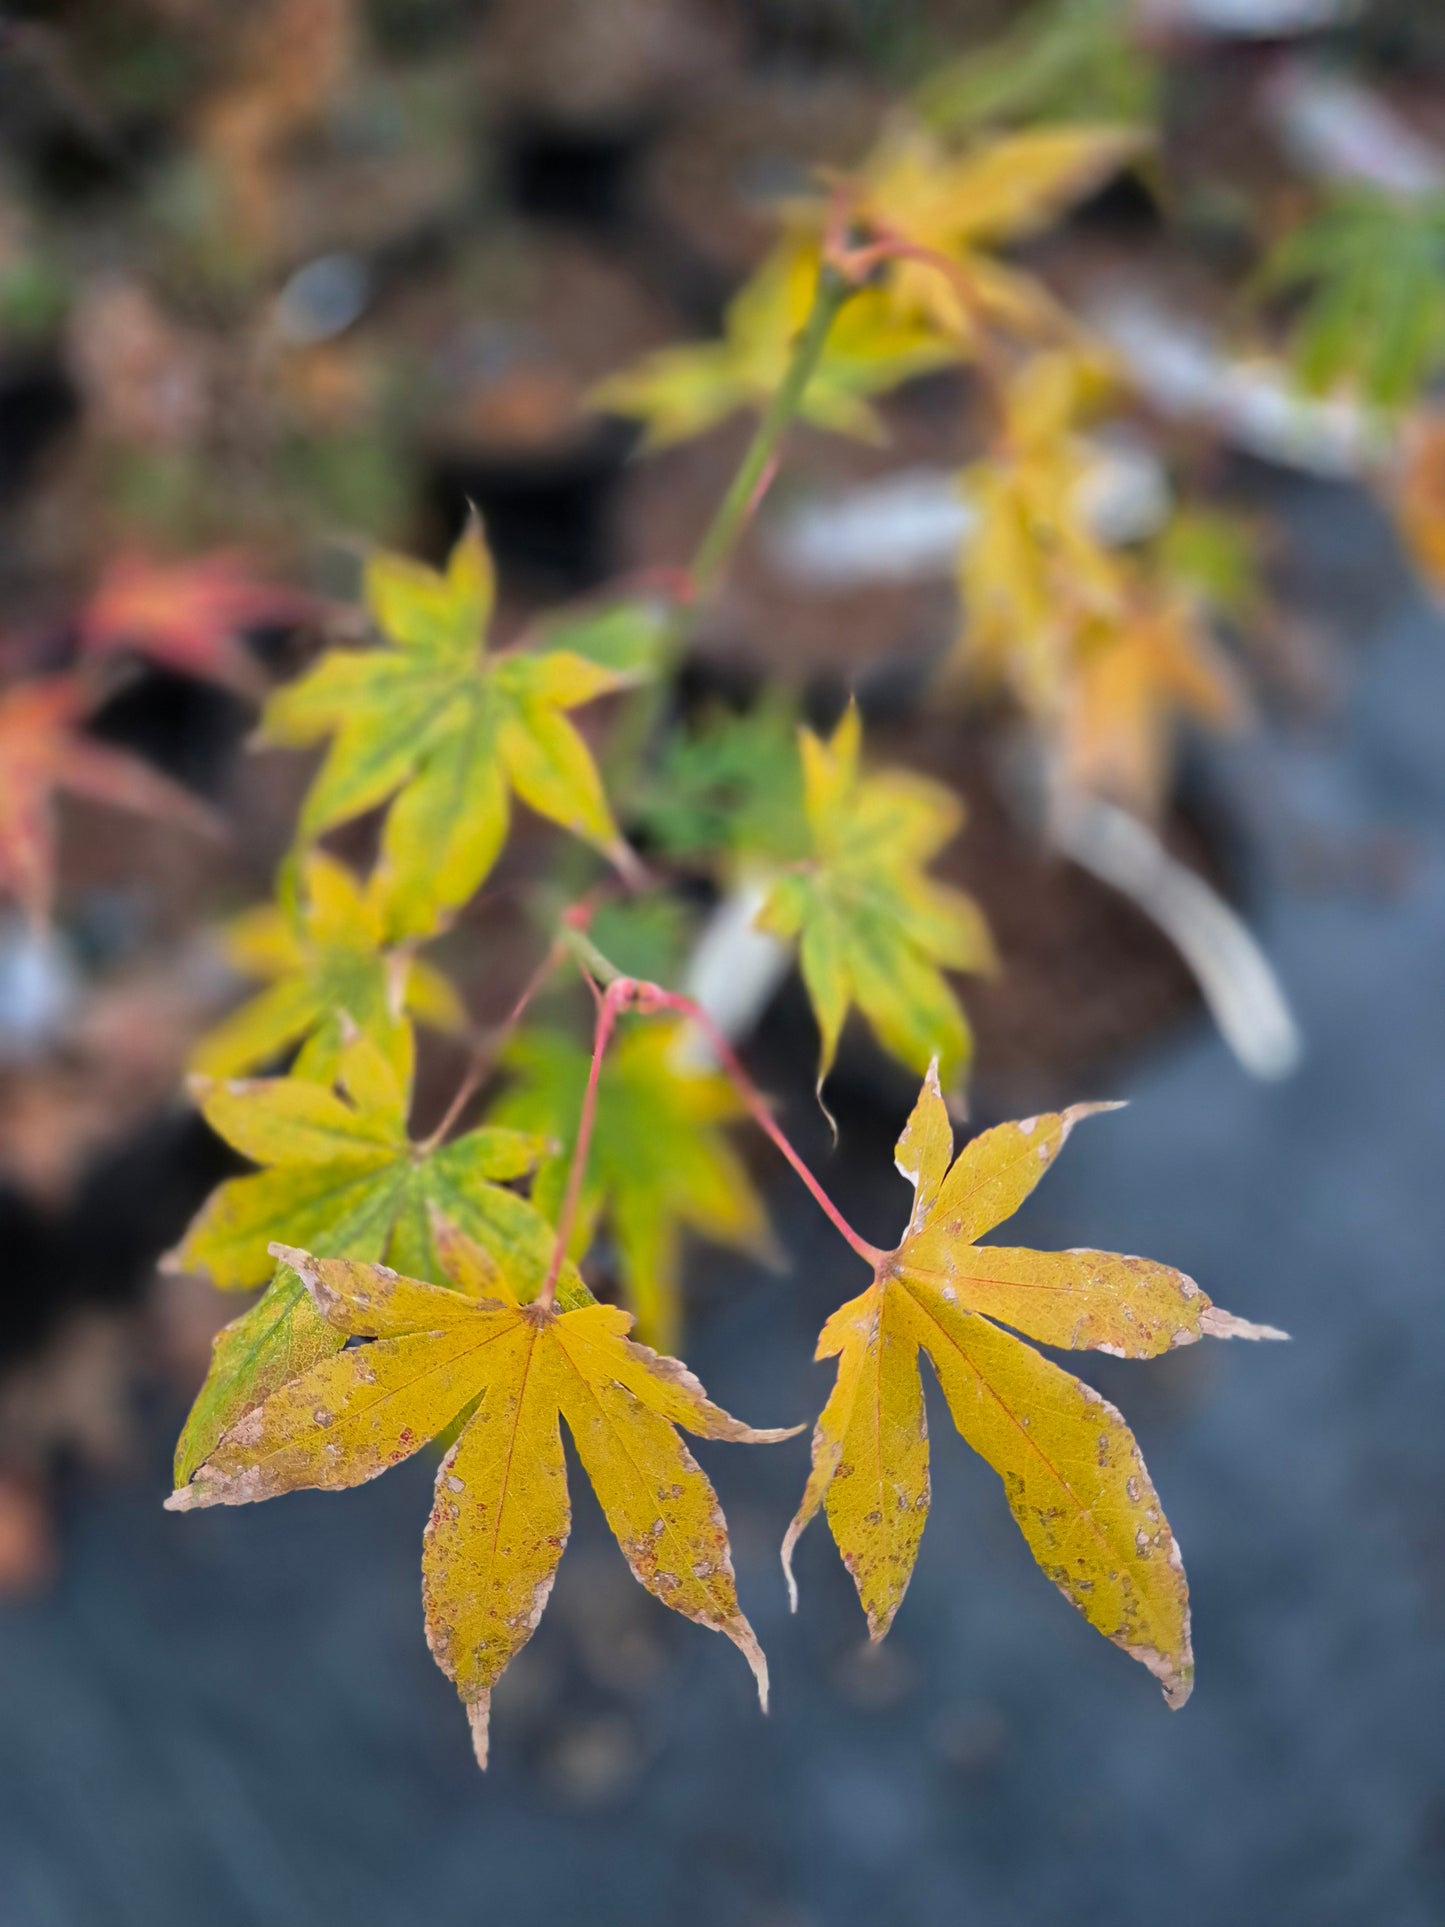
(659, 1163)
(446, 731)
(1218, 558)
(331, 957)
(734, 785)
(341, 1176)
(872, 928)
(1373, 266)
(1065, 60)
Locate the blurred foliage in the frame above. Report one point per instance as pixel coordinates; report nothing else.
(1371, 267)
(681, 392)
(872, 928)
(1065, 60)
(730, 783)
(1217, 556)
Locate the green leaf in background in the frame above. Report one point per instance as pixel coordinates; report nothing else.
(1063, 61)
(1215, 557)
(731, 784)
(1372, 269)
(646, 937)
(630, 637)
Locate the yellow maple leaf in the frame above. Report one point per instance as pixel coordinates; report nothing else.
(872, 928)
(1032, 573)
(340, 1171)
(502, 1514)
(1071, 1469)
(960, 205)
(681, 392)
(333, 956)
(447, 731)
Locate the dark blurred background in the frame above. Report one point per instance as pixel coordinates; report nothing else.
(305, 271)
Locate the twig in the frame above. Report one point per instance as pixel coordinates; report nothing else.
(648, 999)
(484, 1057)
(756, 469)
(651, 998)
(620, 993)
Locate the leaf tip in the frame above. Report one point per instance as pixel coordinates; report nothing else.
(746, 1640)
(1076, 1113)
(1218, 1323)
(774, 1434)
(790, 1539)
(822, 1105)
(1175, 1673)
(185, 1498)
(1177, 1688)
(479, 1718)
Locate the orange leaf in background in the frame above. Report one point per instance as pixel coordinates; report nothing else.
(1418, 496)
(41, 751)
(188, 616)
(1134, 680)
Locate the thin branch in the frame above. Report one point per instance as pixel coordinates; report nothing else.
(485, 1056)
(650, 998)
(690, 587)
(620, 993)
(754, 473)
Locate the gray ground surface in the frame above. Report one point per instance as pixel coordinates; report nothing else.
(232, 1717)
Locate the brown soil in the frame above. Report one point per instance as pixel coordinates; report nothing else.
(1085, 978)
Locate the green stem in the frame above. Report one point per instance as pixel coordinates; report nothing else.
(650, 998)
(638, 724)
(737, 507)
(599, 968)
(627, 993)
(620, 994)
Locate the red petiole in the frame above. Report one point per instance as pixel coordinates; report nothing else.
(626, 993)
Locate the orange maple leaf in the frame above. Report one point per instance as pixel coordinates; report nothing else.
(188, 616)
(42, 750)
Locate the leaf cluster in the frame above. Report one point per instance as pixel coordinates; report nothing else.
(428, 1286)
(1105, 649)
(1371, 269)
(680, 392)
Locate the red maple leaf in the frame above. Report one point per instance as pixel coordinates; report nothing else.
(188, 615)
(42, 750)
